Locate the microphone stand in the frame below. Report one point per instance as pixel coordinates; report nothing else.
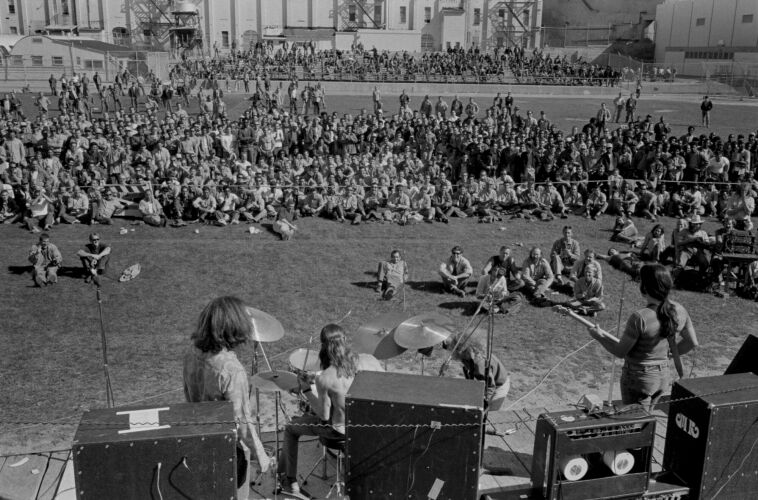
(110, 402)
(464, 337)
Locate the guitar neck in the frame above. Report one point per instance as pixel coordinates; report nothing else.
(590, 324)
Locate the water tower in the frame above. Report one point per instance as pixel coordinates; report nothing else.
(186, 32)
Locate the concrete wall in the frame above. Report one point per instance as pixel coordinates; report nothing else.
(453, 31)
(596, 12)
(702, 24)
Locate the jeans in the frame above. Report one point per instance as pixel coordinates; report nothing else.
(305, 425)
(644, 384)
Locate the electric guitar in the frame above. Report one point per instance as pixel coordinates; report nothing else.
(565, 311)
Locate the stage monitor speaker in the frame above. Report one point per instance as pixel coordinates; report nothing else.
(179, 451)
(410, 436)
(579, 456)
(712, 436)
(746, 359)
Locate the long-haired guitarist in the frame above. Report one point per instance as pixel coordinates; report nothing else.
(662, 326)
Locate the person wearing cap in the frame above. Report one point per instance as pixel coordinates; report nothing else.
(46, 259)
(455, 272)
(94, 257)
(694, 246)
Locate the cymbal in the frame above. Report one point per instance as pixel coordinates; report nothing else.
(298, 361)
(276, 381)
(424, 330)
(266, 328)
(375, 337)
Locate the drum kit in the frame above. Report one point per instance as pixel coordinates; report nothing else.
(384, 337)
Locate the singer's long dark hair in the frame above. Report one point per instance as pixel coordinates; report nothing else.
(656, 281)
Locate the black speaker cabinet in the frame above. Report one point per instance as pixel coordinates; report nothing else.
(712, 436)
(746, 360)
(410, 436)
(180, 451)
(573, 437)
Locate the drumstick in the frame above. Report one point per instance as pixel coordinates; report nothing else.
(307, 352)
(589, 324)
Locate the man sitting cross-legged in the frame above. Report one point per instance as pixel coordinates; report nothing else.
(588, 293)
(455, 272)
(94, 258)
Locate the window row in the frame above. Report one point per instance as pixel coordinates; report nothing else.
(38, 61)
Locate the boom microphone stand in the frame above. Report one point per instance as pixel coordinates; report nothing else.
(110, 402)
(465, 336)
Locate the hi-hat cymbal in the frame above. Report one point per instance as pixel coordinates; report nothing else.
(375, 337)
(276, 381)
(266, 328)
(424, 330)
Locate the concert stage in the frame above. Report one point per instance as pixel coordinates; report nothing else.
(507, 460)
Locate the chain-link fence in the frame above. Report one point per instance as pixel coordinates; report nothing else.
(28, 68)
(576, 36)
(703, 77)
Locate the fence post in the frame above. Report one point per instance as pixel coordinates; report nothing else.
(71, 55)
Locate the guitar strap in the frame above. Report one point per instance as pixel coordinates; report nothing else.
(675, 353)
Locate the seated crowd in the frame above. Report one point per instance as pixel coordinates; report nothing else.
(258, 63)
(426, 164)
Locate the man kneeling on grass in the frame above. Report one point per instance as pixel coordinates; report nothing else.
(46, 258)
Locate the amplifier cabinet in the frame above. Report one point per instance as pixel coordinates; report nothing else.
(179, 451)
(712, 436)
(411, 436)
(573, 434)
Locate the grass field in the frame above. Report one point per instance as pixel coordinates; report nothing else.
(52, 367)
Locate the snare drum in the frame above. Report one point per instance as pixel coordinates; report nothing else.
(304, 360)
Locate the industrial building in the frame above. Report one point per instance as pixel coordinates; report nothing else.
(413, 25)
(700, 36)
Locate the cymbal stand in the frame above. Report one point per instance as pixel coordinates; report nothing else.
(464, 337)
(490, 335)
(254, 368)
(618, 332)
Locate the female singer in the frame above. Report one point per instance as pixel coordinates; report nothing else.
(650, 333)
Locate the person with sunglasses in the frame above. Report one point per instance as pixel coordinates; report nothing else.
(94, 259)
